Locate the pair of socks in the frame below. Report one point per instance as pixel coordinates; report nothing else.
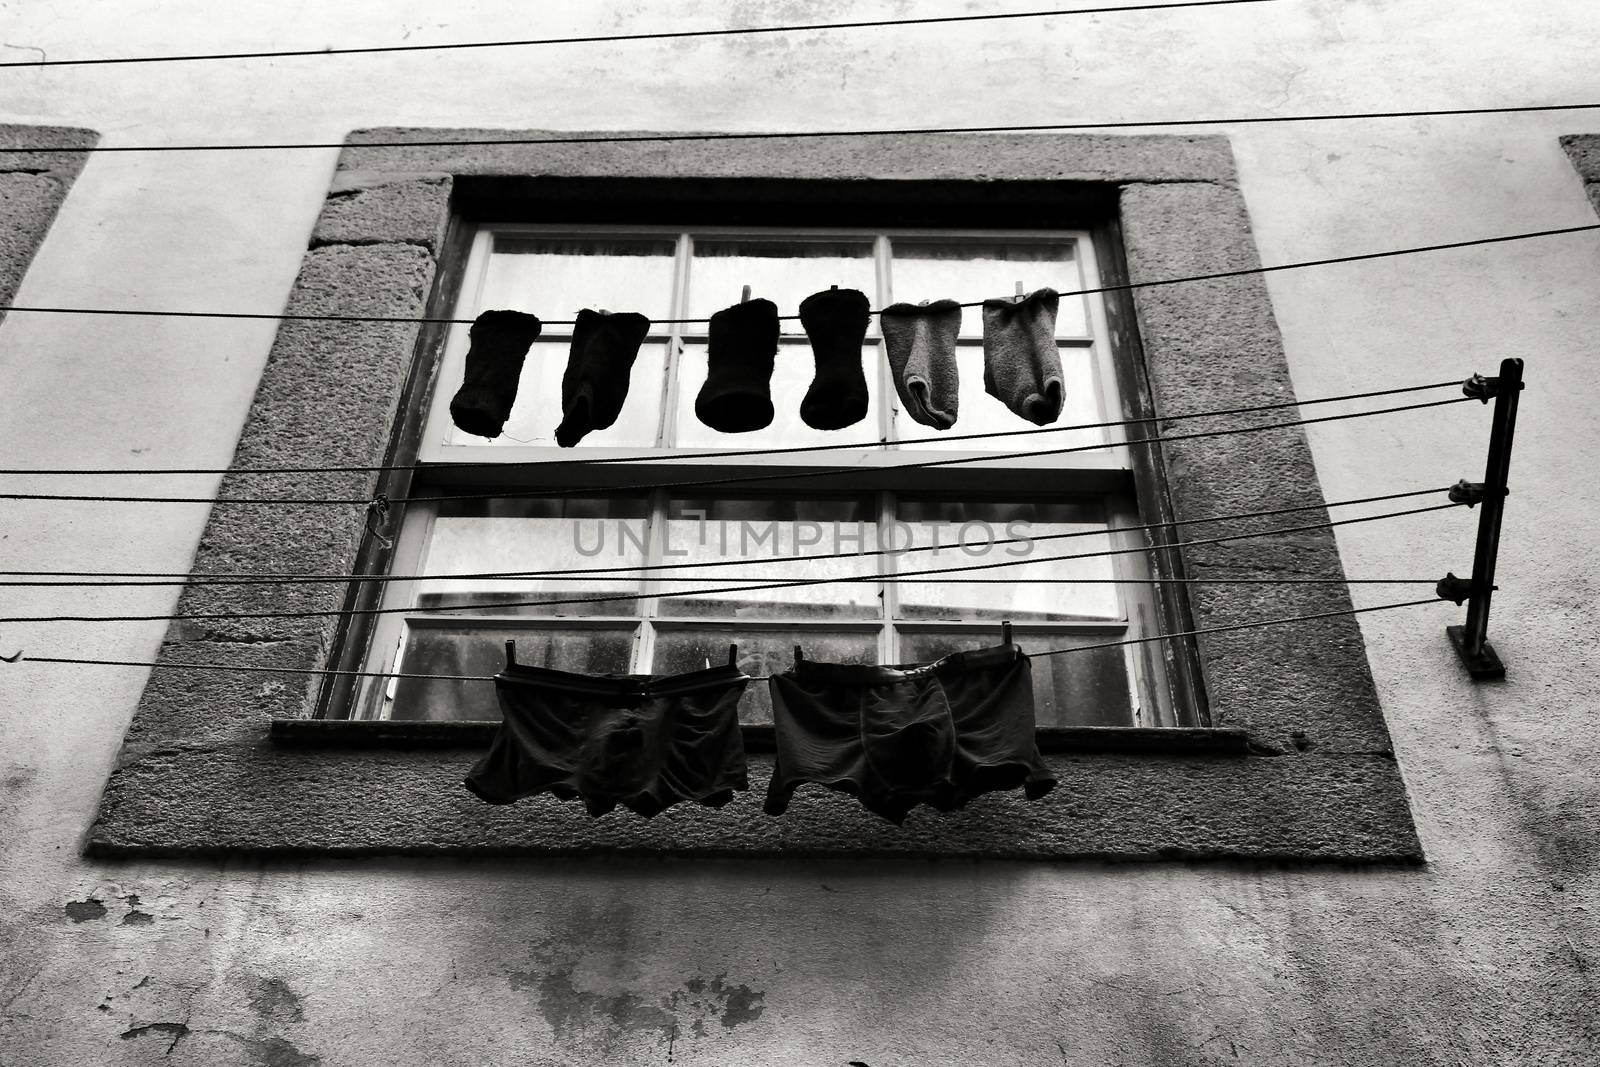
(593, 388)
(737, 395)
(1021, 367)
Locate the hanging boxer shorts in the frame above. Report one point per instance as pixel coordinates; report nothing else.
(644, 743)
(939, 733)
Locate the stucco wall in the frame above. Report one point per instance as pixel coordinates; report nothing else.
(1484, 955)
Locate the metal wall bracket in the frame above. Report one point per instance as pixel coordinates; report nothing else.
(1465, 492)
(1471, 639)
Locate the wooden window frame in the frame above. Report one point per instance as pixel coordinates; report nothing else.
(1156, 693)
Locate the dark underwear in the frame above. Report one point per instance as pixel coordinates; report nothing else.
(938, 734)
(643, 743)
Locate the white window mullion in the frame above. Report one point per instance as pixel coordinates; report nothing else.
(666, 434)
(889, 400)
(888, 638)
(644, 648)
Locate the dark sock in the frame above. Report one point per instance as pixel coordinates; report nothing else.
(595, 384)
(1021, 366)
(737, 396)
(500, 342)
(920, 342)
(836, 321)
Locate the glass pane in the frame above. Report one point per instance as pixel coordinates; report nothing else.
(1069, 689)
(978, 527)
(734, 528)
(480, 650)
(792, 373)
(983, 268)
(760, 652)
(784, 272)
(981, 413)
(538, 534)
(555, 277)
(537, 411)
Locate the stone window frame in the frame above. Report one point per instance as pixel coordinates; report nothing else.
(1583, 149)
(1296, 765)
(33, 186)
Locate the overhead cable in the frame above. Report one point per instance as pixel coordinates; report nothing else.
(783, 135)
(322, 672)
(896, 576)
(617, 38)
(887, 468)
(738, 453)
(1119, 287)
(203, 578)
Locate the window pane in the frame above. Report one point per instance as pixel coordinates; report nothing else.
(965, 271)
(792, 373)
(1070, 689)
(748, 528)
(555, 277)
(480, 650)
(978, 527)
(784, 272)
(537, 411)
(760, 652)
(535, 534)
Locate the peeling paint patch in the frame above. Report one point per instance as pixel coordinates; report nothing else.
(570, 1010)
(741, 1003)
(573, 1012)
(82, 911)
(135, 917)
(276, 1052)
(276, 1003)
(177, 1030)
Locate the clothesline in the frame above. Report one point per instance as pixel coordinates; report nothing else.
(22, 657)
(1115, 288)
(666, 595)
(698, 455)
(517, 494)
(615, 38)
(204, 578)
(785, 135)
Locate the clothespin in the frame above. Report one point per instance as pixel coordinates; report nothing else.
(377, 518)
(511, 654)
(1005, 633)
(744, 297)
(1018, 298)
(799, 656)
(733, 655)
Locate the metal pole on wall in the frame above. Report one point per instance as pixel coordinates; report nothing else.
(1471, 639)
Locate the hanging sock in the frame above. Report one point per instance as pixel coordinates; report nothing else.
(1021, 365)
(640, 743)
(737, 395)
(595, 384)
(836, 321)
(500, 342)
(935, 733)
(920, 340)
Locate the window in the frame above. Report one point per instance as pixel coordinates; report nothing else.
(848, 500)
(218, 761)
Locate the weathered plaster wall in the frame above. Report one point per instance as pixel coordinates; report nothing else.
(1486, 955)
